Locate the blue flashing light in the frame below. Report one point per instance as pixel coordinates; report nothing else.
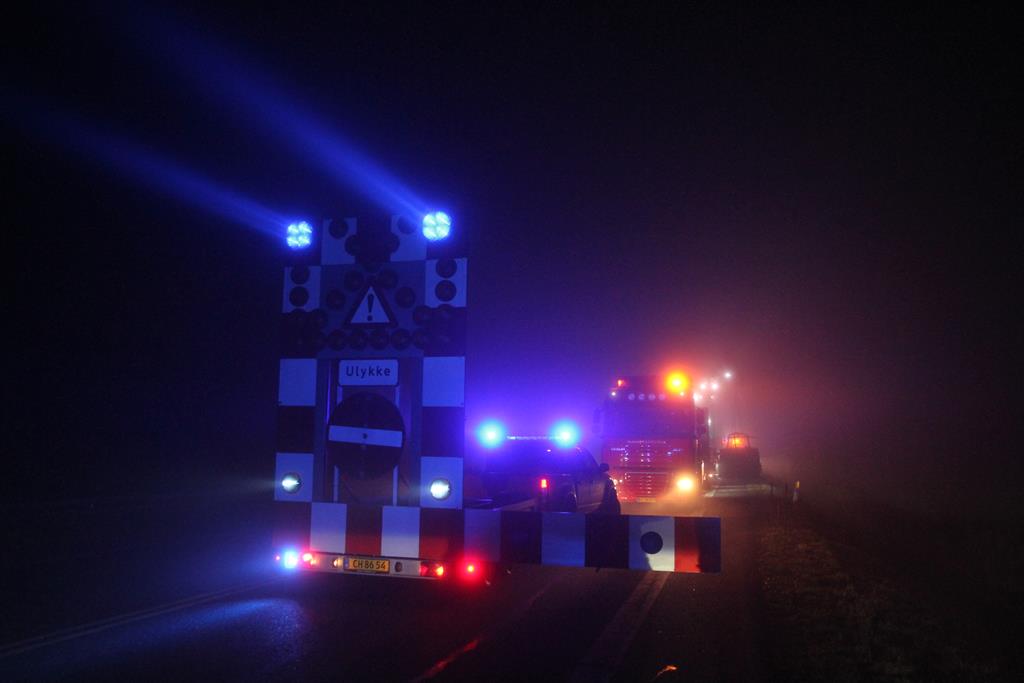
(300, 235)
(437, 226)
(290, 559)
(491, 434)
(565, 433)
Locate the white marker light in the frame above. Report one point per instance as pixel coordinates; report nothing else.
(291, 482)
(440, 489)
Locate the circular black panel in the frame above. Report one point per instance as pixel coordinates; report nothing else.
(401, 339)
(386, 279)
(421, 315)
(354, 280)
(378, 339)
(420, 338)
(336, 340)
(446, 267)
(651, 542)
(299, 296)
(367, 438)
(405, 297)
(318, 319)
(445, 290)
(300, 275)
(335, 299)
(339, 228)
(357, 340)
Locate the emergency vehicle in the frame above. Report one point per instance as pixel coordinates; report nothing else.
(654, 439)
(370, 471)
(737, 459)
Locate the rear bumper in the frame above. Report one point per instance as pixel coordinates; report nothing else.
(334, 563)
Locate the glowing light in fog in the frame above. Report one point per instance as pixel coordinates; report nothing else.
(728, 374)
(491, 434)
(565, 433)
(291, 482)
(437, 226)
(686, 484)
(300, 235)
(440, 489)
(289, 559)
(677, 382)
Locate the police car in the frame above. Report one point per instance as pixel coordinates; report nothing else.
(542, 474)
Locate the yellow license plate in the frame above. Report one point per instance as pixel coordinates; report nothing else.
(366, 564)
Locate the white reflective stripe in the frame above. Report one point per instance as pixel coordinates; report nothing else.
(400, 531)
(327, 527)
(563, 539)
(663, 560)
(444, 381)
(365, 435)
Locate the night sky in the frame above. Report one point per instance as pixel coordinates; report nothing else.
(815, 198)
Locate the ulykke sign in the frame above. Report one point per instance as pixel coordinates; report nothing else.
(368, 372)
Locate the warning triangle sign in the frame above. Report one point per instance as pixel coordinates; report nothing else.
(371, 309)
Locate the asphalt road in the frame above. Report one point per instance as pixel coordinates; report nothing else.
(536, 623)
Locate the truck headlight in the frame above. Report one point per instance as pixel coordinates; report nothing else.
(686, 484)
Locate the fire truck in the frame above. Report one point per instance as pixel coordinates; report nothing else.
(653, 438)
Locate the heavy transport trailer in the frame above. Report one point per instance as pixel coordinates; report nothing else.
(370, 473)
(653, 438)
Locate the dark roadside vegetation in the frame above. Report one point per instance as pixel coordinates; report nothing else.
(873, 592)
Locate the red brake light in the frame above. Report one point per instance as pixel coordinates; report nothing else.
(543, 483)
(439, 570)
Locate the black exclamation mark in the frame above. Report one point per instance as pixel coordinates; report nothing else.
(369, 307)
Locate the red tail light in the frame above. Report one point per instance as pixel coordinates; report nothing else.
(543, 483)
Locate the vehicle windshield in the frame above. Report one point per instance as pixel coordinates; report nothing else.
(652, 420)
(529, 458)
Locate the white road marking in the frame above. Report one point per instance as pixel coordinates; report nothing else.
(605, 655)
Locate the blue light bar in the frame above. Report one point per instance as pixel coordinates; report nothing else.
(437, 226)
(491, 434)
(565, 433)
(300, 235)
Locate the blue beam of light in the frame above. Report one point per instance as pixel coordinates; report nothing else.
(233, 85)
(148, 168)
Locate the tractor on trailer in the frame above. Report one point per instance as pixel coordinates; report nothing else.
(370, 460)
(653, 438)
